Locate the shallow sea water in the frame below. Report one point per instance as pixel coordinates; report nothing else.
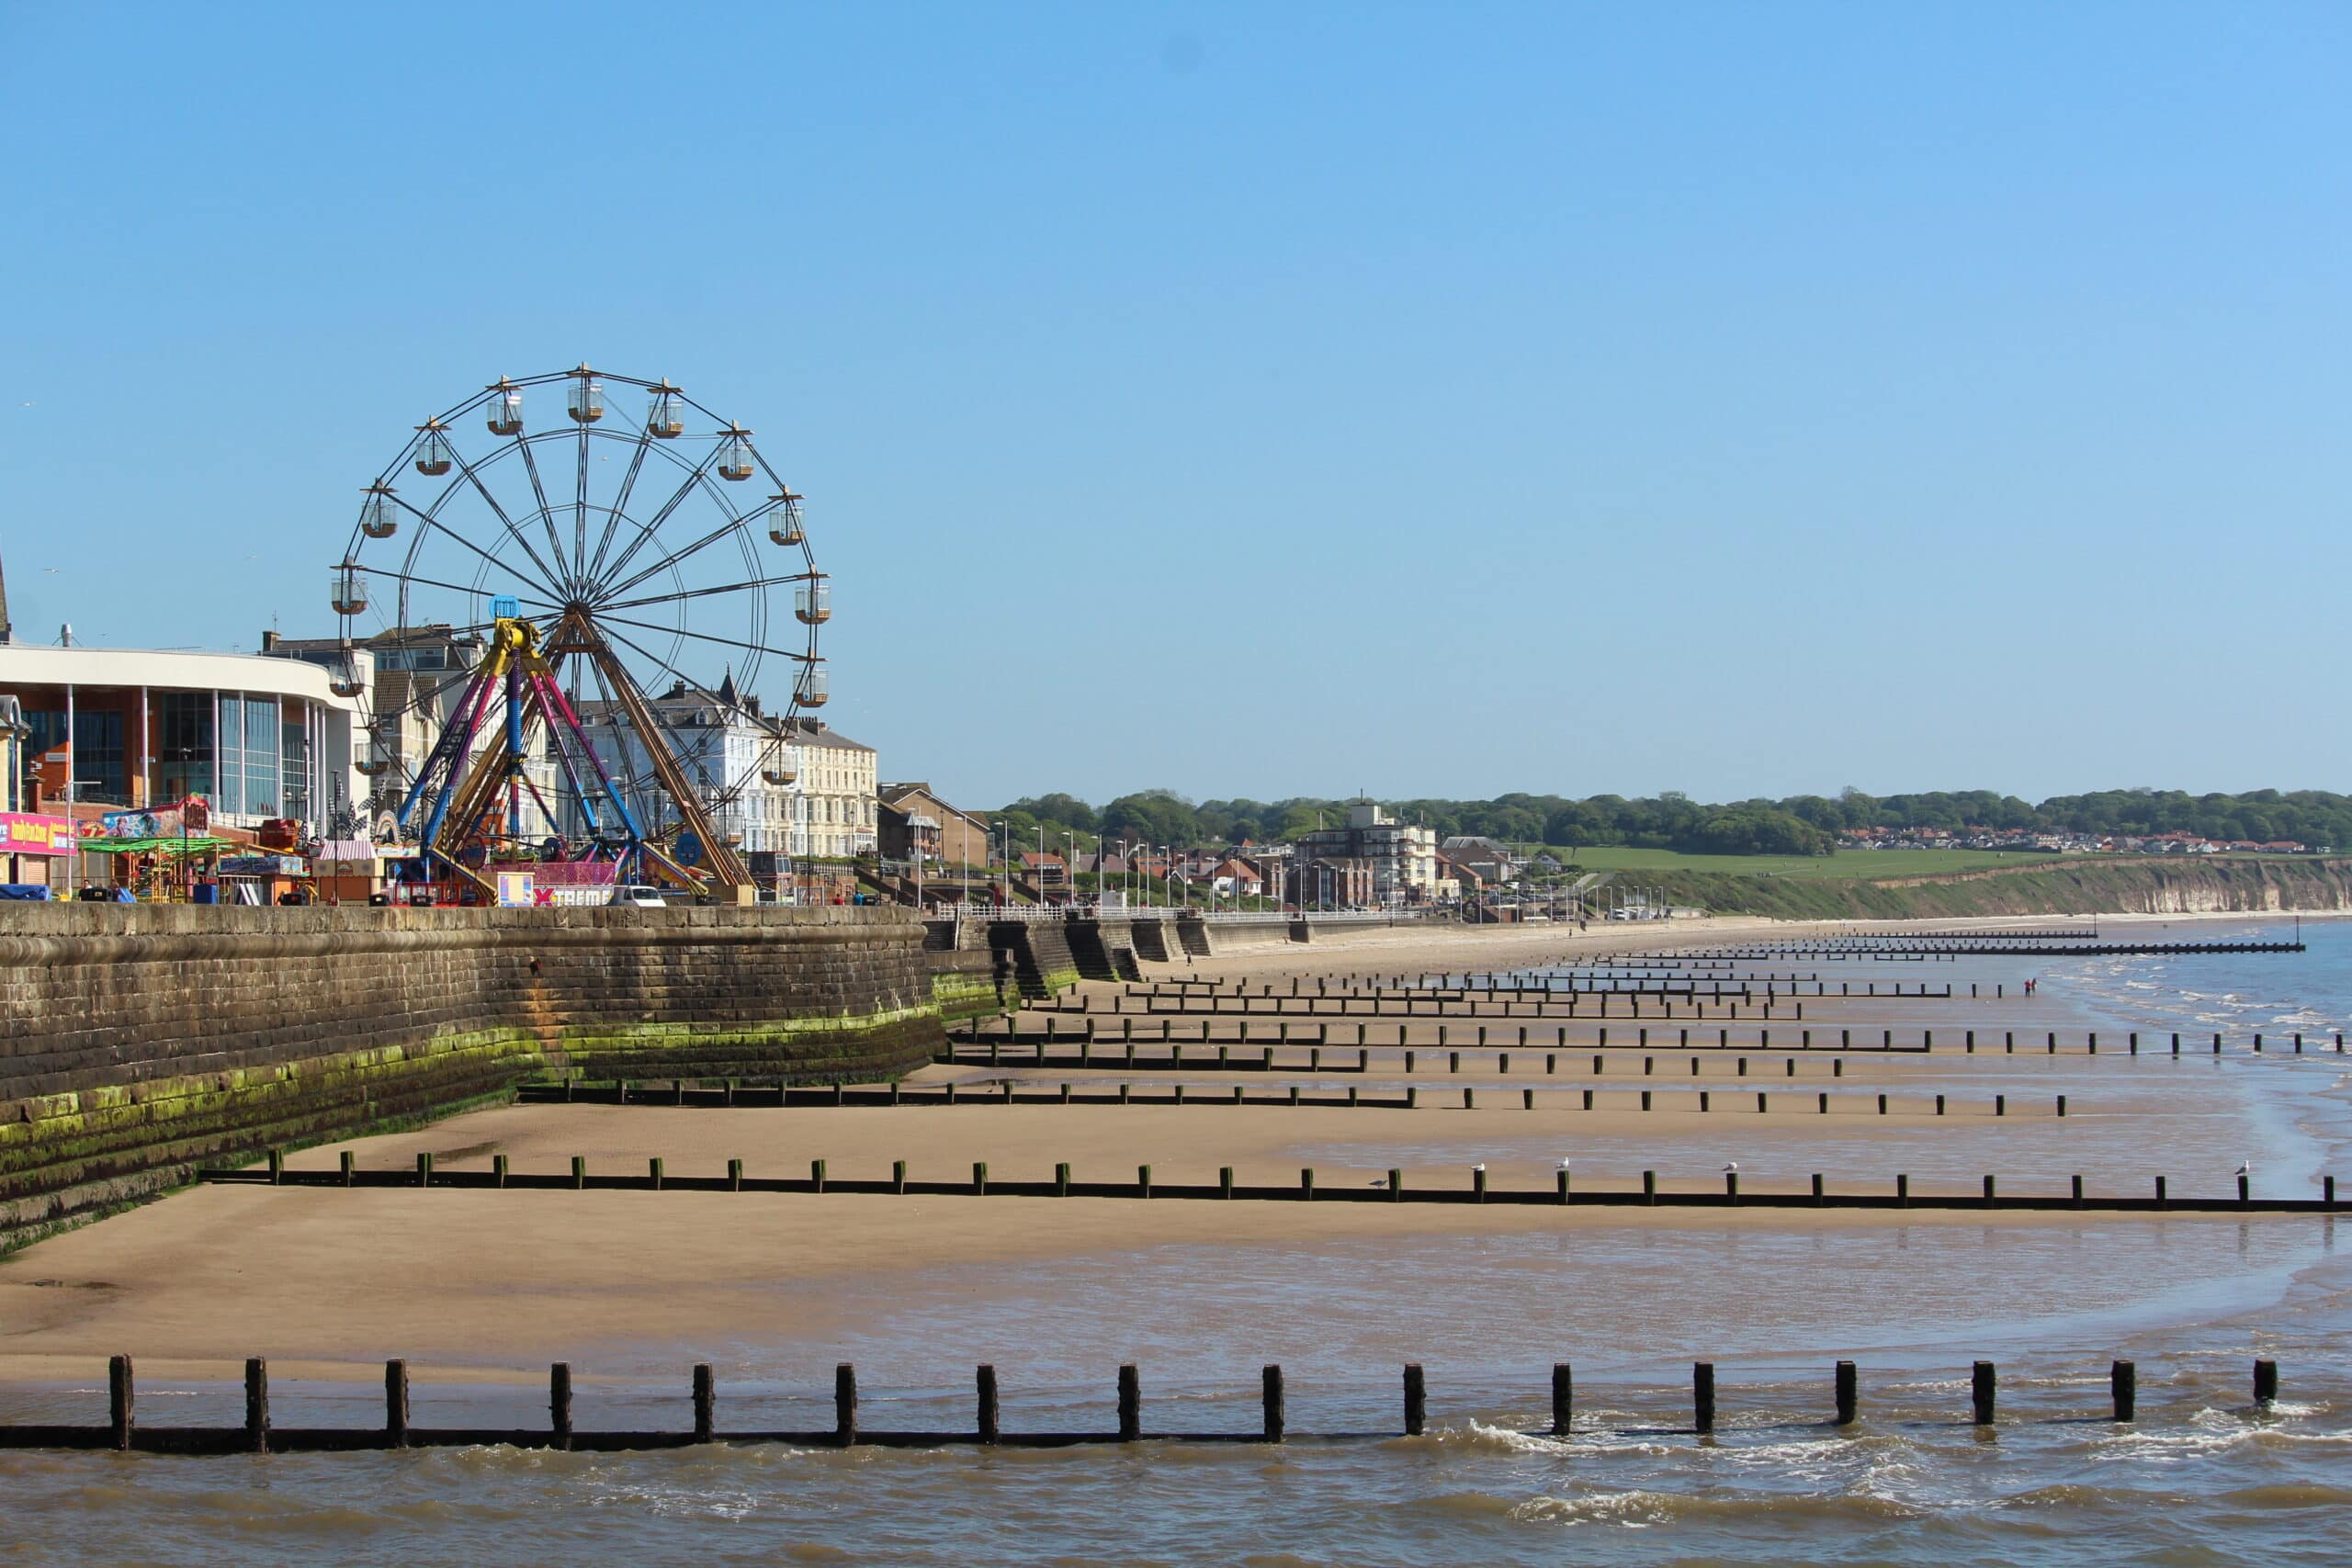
(2203, 1477)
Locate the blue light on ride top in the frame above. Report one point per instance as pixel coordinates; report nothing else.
(506, 607)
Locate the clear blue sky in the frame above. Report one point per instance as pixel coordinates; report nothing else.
(1276, 399)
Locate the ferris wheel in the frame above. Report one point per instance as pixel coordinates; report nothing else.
(531, 600)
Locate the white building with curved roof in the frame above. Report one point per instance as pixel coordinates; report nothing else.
(256, 736)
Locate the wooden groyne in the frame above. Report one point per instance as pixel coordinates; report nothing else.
(1119, 1048)
(1391, 1189)
(1913, 950)
(1411, 1096)
(260, 1435)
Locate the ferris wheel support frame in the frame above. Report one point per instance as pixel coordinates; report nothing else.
(515, 670)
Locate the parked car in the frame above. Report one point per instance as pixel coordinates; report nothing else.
(638, 896)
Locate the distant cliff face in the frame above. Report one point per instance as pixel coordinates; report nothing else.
(2206, 885)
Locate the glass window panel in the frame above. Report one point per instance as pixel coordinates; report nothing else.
(294, 746)
(230, 749)
(97, 757)
(261, 756)
(185, 767)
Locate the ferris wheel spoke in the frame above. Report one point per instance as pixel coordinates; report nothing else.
(538, 485)
(407, 578)
(664, 665)
(761, 649)
(725, 530)
(759, 583)
(473, 476)
(695, 477)
(579, 509)
(429, 521)
(619, 507)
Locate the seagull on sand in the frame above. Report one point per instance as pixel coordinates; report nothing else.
(2245, 1169)
(1480, 1166)
(1731, 1168)
(1564, 1165)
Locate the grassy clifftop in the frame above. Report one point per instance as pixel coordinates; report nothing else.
(2080, 886)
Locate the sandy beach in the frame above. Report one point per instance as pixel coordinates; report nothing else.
(488, 1285)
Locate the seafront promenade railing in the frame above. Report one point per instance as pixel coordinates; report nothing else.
(259, 1435)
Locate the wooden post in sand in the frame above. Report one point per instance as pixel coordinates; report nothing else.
(396, 1403)
(1130, 1403)
(256, 1406)
(121, 1394)
(1849, 1393)
(1982, 1380)
(987, 1423)
(706, 1401)
(2266, 1382)
(1564, 1387)
(560, 1405)
(845, 1404)
(1703, 1396)
(1417, 1400)
(1271, 1383)
(2124, 1382)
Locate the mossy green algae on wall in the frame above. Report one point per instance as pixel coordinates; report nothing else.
(962, 986)
(137, 1042)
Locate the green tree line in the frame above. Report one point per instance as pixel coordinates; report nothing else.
(1804, 824)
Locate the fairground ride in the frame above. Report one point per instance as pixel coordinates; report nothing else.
(519, 589)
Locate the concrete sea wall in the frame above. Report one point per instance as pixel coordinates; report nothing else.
(138, 1040)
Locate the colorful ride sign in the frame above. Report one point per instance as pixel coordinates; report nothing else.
(27, 835)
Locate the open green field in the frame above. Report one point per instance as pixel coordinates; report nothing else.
(1847, 865)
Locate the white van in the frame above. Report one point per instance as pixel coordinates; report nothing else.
(637, 896)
